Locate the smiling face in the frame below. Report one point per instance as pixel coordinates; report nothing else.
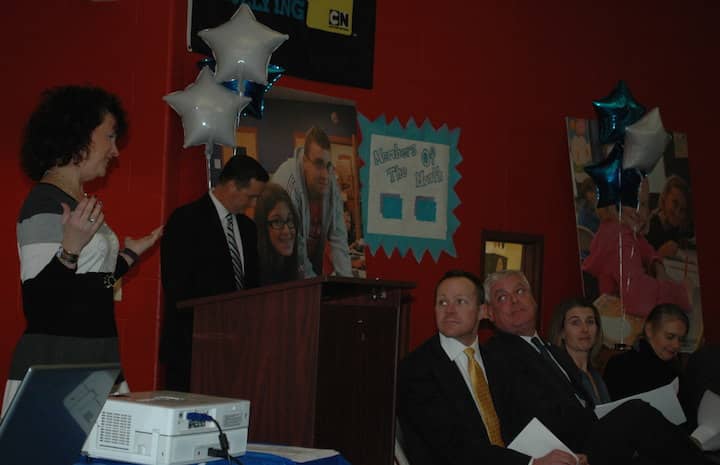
(579, 329)
(666, 337)
(316, 168)
(101, 151)
(511, 306)
(675, 207)
(281, 229)
(457, 310)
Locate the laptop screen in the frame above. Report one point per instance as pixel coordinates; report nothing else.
(53, 412)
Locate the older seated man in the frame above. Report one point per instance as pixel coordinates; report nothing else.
(448, 398)
(544, 383)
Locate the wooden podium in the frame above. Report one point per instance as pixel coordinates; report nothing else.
(317, 359)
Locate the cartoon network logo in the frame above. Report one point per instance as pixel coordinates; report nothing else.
(339, 19)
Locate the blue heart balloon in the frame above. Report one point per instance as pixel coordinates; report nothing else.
(617, 111)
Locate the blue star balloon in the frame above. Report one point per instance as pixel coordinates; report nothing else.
(615, 186)
(251, 89)
(615, 112)
(257, 92)
(606, 175)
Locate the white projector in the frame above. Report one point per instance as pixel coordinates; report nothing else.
(152, 428)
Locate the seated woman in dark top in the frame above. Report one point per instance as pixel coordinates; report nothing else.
(277, 221)
(653, 360)
(575, 327)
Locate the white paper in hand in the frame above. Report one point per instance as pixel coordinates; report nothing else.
(663, 398)
(537, 441)
(708, 430)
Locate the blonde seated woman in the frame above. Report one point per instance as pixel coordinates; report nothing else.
(653, 361)
(575, 327)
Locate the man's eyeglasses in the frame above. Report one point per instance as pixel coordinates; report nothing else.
(278, 224)
(320, 164)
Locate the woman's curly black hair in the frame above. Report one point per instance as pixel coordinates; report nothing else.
(60, 129)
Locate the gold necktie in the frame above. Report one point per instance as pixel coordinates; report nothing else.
(482, 394)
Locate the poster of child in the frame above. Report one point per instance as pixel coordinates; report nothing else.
(634, 259)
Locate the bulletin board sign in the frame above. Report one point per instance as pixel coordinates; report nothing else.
(408, 182)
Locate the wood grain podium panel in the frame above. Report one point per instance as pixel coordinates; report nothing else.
(316, 358)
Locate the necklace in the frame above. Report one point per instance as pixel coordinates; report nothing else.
(64, 182)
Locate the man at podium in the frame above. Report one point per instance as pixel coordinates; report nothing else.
(209, 248)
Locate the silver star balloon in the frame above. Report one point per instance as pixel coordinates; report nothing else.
(645, 142)
(242, 47)
(208, 110)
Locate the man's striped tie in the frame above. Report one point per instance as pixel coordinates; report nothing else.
(234, 252)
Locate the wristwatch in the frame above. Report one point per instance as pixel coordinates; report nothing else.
(67, 257)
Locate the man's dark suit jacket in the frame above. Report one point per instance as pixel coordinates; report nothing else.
(539, 391)
(534, 389)
(439, 421)
(195, 262)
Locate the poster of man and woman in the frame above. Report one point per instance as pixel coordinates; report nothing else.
(280, 135)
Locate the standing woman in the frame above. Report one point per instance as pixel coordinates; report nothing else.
(653, 361)
(276, 222)
(575, 328)
(69, 257)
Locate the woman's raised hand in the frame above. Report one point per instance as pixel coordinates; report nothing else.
(80, 225)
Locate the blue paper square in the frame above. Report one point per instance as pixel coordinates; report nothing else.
(425, 209)
(391, 206)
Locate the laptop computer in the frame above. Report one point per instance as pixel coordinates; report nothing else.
(53, 412)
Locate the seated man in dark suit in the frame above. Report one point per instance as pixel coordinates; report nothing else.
(544, 383)
(446, 415)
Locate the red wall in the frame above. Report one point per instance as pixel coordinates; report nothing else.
(122, 46)
(506, 75)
